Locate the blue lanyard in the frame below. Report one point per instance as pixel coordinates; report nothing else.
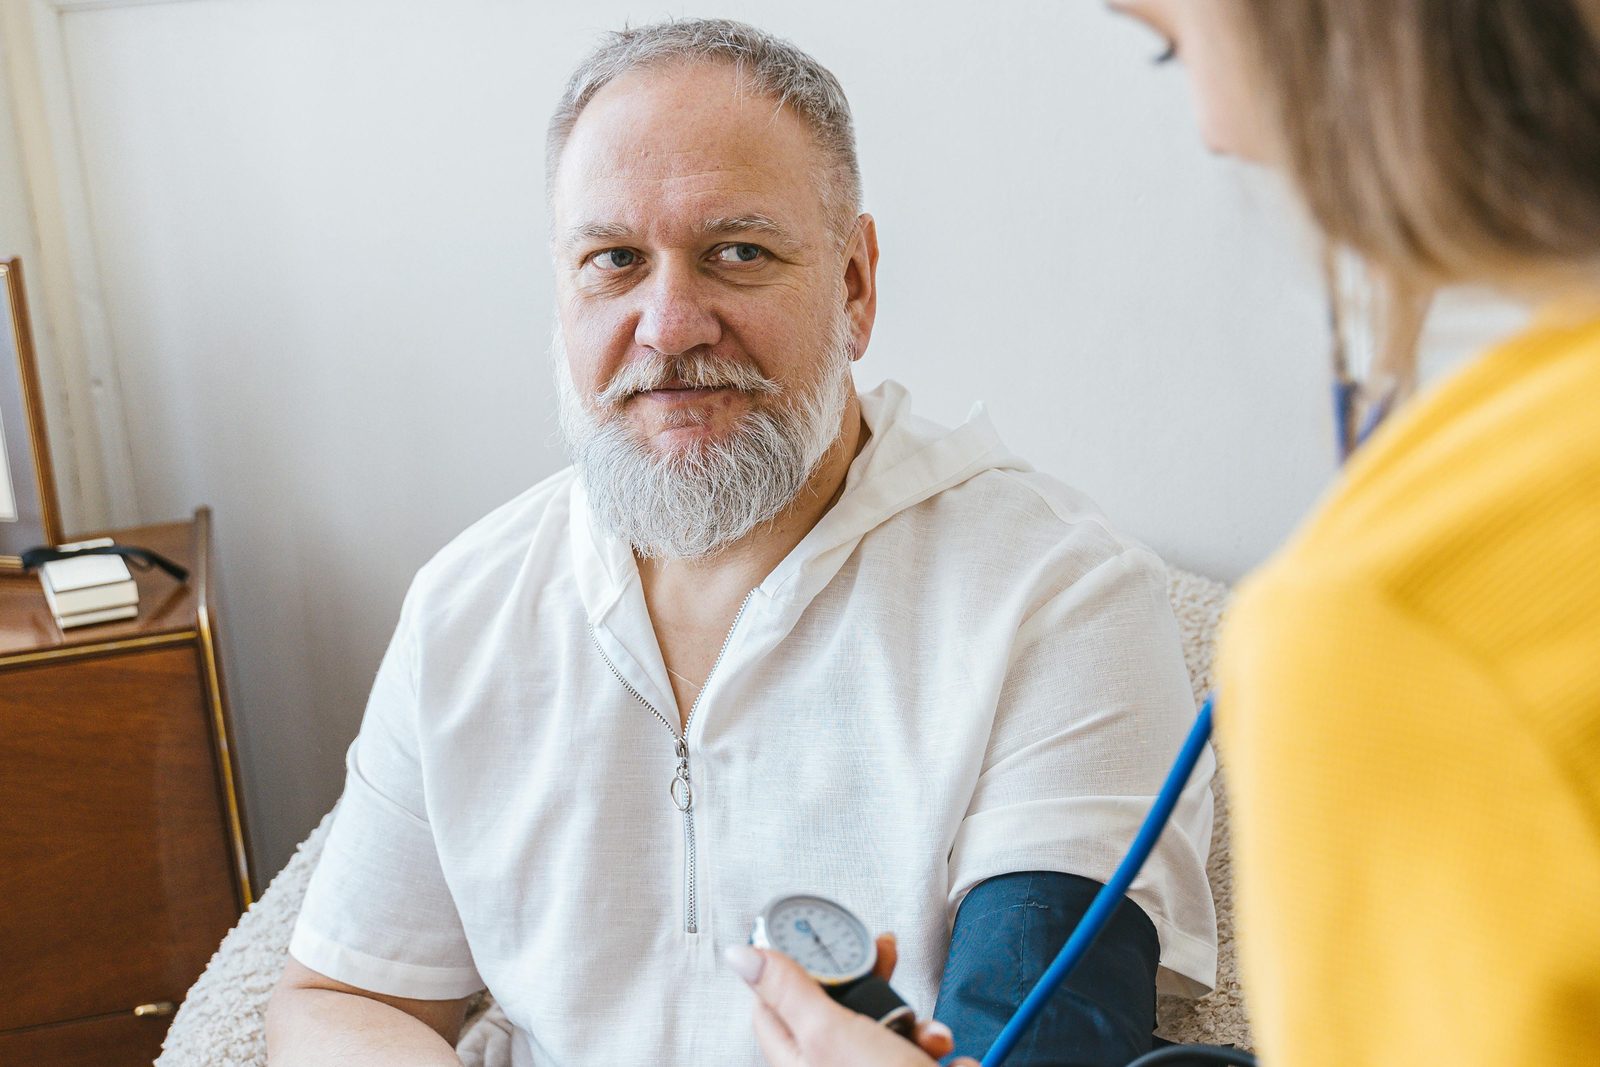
(1349, 435)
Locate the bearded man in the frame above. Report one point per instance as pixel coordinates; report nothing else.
(765, 635)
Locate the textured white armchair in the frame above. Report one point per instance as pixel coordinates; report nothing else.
(220, 1023)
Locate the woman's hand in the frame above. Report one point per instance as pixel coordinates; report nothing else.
(798, 1025)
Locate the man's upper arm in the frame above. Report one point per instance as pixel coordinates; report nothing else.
(1007, 934)
(378, 913)
(1095, 705)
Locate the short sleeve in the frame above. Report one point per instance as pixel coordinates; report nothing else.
(378, 913)
(1095, 706)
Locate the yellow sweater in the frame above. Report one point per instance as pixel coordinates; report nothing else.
(1409, 711)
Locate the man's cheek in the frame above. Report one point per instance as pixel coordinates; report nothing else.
(591, 370)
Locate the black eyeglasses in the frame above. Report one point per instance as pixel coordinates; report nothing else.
(142, 558)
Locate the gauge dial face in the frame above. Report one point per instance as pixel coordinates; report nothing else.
(820, 936)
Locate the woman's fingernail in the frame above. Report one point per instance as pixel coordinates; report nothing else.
(940, 1030)
(744, 961)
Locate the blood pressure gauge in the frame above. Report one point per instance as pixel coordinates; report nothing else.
(836, 949)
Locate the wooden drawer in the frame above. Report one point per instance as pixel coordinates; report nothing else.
(115, 871)
(116, 1041)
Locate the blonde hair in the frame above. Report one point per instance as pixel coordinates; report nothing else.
(1441, 141)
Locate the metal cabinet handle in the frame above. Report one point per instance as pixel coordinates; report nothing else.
(160, 1007)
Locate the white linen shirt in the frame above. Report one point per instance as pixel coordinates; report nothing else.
(960, 672)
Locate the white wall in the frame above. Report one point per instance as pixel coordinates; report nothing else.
(321, 236)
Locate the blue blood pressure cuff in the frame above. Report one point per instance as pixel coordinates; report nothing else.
(1008, 932)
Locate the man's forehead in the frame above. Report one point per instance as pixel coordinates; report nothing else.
(690, 140)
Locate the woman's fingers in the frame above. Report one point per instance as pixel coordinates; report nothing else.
(934, 1038)
(792, 995)
(799, 1025)
(777, 1043)
(888, 956)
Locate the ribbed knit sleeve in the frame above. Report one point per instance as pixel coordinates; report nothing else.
(1417, 875)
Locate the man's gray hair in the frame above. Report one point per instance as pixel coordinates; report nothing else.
(768, 65)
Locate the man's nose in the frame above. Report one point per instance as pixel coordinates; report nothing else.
(676, 316)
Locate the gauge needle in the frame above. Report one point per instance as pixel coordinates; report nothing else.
(806, 928)
(825, 951)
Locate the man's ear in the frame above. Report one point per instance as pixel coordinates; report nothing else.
(861, 283)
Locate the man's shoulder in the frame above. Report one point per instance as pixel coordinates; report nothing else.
(960, 502)
(1026, 513)
(503, 539)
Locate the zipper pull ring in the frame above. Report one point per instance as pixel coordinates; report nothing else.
(681, 794)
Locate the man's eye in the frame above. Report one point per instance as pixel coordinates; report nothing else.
(741, 253)
(614, 259)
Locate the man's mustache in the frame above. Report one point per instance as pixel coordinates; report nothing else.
(694, 371)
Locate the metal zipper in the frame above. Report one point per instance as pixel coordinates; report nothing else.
(680, 789)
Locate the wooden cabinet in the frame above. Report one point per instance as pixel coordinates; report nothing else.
(122, 843)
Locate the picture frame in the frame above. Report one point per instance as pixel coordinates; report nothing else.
(30, 513)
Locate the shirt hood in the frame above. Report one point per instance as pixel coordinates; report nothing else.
(907, 460)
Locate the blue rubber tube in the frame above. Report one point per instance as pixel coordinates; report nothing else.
(1105, 903)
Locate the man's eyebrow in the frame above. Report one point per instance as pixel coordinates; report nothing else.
(596, 231)
(729, 225)
(718, 226)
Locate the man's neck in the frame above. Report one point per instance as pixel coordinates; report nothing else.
(741, 566)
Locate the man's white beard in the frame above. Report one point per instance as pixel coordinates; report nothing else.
(694, 501)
